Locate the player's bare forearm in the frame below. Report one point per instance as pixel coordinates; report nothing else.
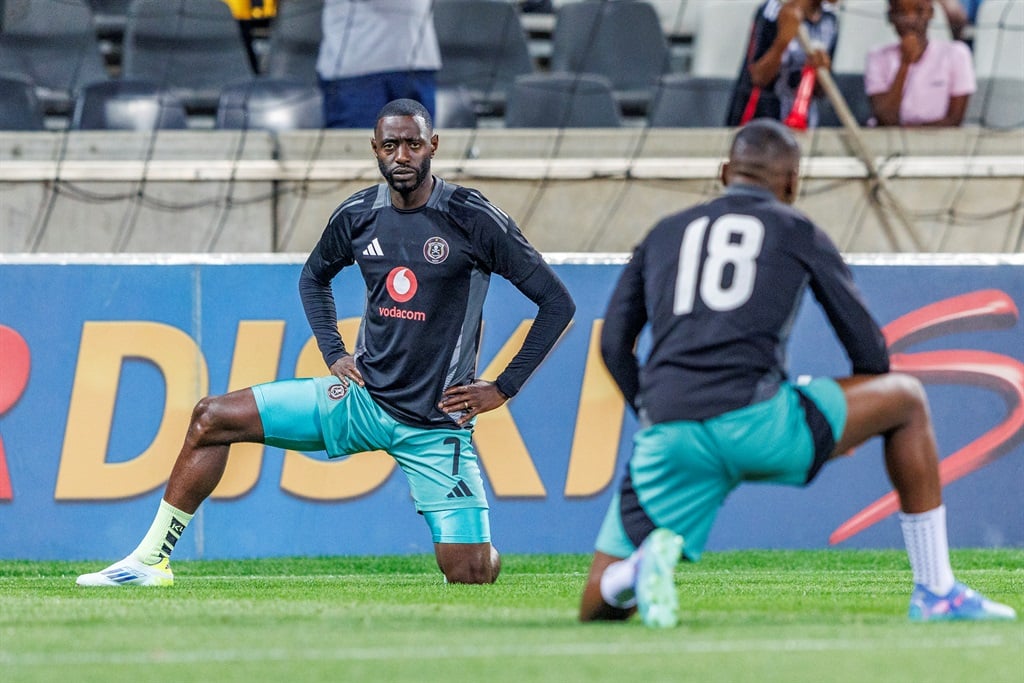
(472, 399)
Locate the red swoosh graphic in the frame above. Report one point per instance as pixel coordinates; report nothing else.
(987, 309)
(14, 368)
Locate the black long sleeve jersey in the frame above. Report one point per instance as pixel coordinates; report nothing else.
(720, 285)
(427, 271)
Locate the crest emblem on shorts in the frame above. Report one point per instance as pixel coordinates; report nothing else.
(337, 391)
(435, 250)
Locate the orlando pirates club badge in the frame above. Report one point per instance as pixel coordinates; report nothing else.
(435, 250)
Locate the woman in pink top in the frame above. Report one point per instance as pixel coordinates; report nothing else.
(918, 82)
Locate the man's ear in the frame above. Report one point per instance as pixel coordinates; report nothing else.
(723, 173)
(792, 186)
(433, 145)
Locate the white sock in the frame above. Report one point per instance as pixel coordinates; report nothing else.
(618, 583)
(928, 549)
(167, 527)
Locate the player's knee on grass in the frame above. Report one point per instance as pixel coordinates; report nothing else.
(592, 604)
(469, 563)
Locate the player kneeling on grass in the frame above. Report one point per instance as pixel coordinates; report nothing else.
(426, 249)
(719, 284)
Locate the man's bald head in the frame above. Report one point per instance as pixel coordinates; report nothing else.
(764, 152)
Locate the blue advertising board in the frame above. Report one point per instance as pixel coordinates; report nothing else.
(102, 359)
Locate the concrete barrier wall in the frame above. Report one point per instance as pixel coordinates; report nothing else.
(571, 191)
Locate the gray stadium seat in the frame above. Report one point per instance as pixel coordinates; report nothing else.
(127, 105)
(272, 104)
(294, 41)
(997, 103)
(53, 44)
(483, 48)
(110, 17)
(999, 39)
(851, 86)
(723, 31)
(998, 56)
(562, 100)
(192, 48)
(454, 108)
(686, 101)
(19, 107)
(678, 17)
(622, 41)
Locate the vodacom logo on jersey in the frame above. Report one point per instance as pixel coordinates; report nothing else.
(402, 286)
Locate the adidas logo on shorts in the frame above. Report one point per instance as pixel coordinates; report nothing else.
(460, 490)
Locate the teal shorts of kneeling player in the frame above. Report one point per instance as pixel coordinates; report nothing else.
(441, 466)
(683, 471)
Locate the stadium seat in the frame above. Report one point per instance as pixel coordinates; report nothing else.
(127, 105)
(110, 17)
(192, 48)
(19, 107)
(687, 101)
(864, 25)
(678, 17)
(483, 48)
(998, 56)
(562, 100)
(622, 41)
(294, 41)
(851, 86)
(997, 103)
(723, 31)
(53, 44)
(454, 108)
(272, 104)
(999, 39)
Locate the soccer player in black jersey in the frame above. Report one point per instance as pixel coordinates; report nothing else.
(426, 249)
(719, 286)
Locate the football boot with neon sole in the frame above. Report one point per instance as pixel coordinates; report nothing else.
(962, 604)
(131, 572)
(656, 597)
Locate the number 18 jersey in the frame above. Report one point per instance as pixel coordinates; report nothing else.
(720, 285)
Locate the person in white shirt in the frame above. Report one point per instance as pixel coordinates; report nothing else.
(373, 52)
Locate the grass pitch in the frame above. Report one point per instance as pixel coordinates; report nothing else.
(824, 616)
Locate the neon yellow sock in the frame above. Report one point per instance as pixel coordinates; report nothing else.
(167, 527)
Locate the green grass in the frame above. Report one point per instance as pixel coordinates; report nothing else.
(765, 616)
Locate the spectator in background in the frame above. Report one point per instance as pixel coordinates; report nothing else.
(373, 52)
(917, 81)
(771, 72)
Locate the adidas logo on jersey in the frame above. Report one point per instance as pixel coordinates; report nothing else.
(373, 249)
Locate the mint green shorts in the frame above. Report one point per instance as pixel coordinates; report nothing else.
(681, 472)
(441, 466)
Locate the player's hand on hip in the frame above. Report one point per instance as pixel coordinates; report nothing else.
(469, 400)
(345, 369)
